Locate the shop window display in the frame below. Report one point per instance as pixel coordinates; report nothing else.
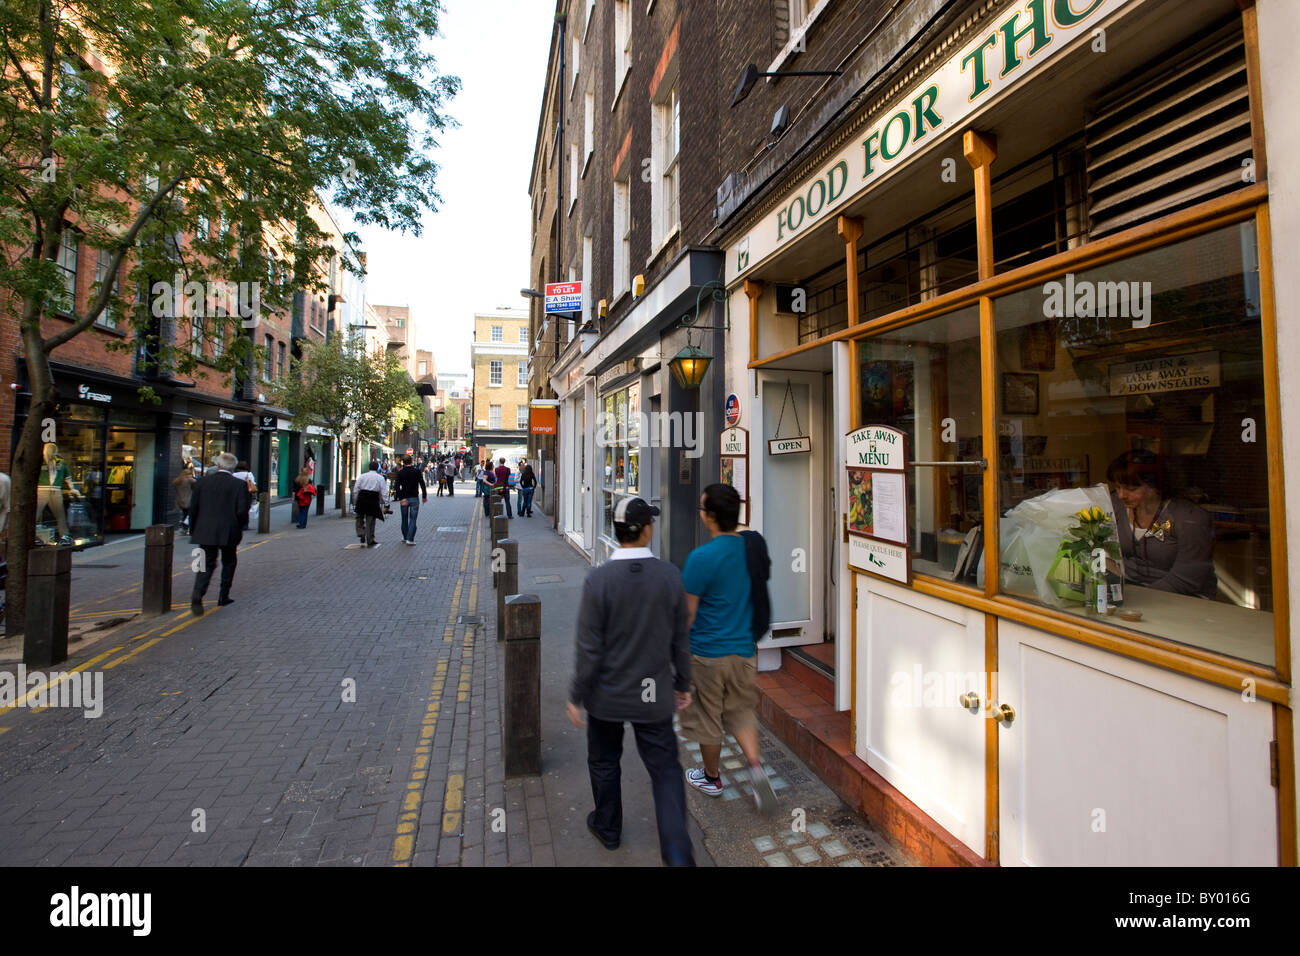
(923, 380)
(1131, 416)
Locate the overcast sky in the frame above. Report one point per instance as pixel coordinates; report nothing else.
(473, 254)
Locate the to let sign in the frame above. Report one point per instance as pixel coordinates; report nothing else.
(563, 297)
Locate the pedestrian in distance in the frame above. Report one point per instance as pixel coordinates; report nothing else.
(478, 480)
(449, 474)
(410, 488)
(439, 475)
(633, 645)
(720, 596)
(184, 484)
(369, 502)
(303, 492)
(502, 485)
(527, 485)
(219, 506)
(243, 474)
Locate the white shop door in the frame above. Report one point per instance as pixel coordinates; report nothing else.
(792, 503)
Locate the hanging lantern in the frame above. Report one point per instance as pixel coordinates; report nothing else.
(689, 365)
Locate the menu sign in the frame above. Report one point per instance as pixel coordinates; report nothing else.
(1173, 373)
(877, 506)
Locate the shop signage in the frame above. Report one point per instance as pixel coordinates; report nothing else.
(563, 297)
(541, 419)
(876, 517)
(789, 446)
(735, 441)
(617, 372)
(732, 410)
(88, 396)
(1175, 373)
(1027, 35)
(228, 416)
(266, 423)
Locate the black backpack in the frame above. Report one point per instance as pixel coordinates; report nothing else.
(759, 565)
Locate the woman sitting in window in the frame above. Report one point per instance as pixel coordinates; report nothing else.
(1168, 542)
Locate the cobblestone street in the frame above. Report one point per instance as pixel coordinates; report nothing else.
(346, 710)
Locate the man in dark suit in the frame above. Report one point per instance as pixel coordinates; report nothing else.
(219, 507)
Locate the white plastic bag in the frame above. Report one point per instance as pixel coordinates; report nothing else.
(1031, 534)
(253, 513)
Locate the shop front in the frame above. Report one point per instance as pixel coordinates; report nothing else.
(1039, 431)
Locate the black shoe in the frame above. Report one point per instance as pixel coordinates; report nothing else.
(196, 607)
(224, 601)
(591, 825)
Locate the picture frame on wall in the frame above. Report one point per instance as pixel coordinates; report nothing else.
(1019, 393)
(1038, 347)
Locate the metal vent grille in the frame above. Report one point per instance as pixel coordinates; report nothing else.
(1173, 137)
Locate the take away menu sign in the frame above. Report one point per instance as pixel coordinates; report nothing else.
(877, 507)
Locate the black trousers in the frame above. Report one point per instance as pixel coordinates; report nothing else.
(657, 745)
(228, 561)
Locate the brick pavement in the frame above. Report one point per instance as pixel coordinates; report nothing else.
(235, 738)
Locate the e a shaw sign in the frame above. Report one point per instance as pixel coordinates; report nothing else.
(563, 297)
(1026, 35)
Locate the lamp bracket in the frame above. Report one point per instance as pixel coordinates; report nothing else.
(719, 294)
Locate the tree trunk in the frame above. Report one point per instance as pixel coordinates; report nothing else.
(26, 468)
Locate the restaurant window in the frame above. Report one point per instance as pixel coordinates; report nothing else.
(1137, 389)
(1039, 208)
(494, 372)
(923, 380)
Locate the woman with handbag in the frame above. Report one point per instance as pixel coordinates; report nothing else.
(303, 493)
(184, 483)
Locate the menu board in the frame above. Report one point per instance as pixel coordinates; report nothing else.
(877, 506)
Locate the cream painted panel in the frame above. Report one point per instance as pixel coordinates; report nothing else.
(917, 655)
(1176, 770)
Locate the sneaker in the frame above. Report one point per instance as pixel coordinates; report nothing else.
(700, 781)
(764, 796)
(411, 543)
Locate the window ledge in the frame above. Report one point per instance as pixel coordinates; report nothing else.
(672, 234)
(586, 163)
(796, 42)
(622, 84)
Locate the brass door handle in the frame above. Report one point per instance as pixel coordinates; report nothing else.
(1003, 714)
(970, 701)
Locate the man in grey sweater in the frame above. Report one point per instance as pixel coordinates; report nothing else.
(633, 665)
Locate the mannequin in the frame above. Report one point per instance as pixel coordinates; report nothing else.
(49, 490)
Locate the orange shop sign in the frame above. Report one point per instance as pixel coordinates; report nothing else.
(541, 419)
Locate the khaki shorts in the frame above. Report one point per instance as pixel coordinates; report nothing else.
(723, 697)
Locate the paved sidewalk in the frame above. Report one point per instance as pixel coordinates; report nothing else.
(812, 826)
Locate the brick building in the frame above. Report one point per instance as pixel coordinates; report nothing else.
(890, 246)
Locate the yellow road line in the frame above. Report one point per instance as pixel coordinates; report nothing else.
(126, 657)
(31, 694)
(185, 624)
(4, 730)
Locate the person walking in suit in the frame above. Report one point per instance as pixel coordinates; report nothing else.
(219, 506)
(369, 501)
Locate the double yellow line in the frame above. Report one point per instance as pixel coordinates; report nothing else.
(453, 798)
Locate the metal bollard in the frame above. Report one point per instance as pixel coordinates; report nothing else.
(49, 589)
(340, 499)
(156, 587)
(521, 730)
(509, 584)
(320, 501)
(263, 512)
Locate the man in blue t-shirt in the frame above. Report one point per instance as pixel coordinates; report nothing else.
(723, 668)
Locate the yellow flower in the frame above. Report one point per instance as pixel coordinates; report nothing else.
(1082, 515)
(1098, 514)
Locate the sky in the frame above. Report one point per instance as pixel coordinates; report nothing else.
(473, 254)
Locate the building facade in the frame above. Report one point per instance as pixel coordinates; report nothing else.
(1014, 259)
(499, 354)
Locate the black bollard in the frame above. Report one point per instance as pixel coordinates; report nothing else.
(509, 583)
(521, 730)
(500, 531)
(263, 512)
(49, 589)
(156, 587)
